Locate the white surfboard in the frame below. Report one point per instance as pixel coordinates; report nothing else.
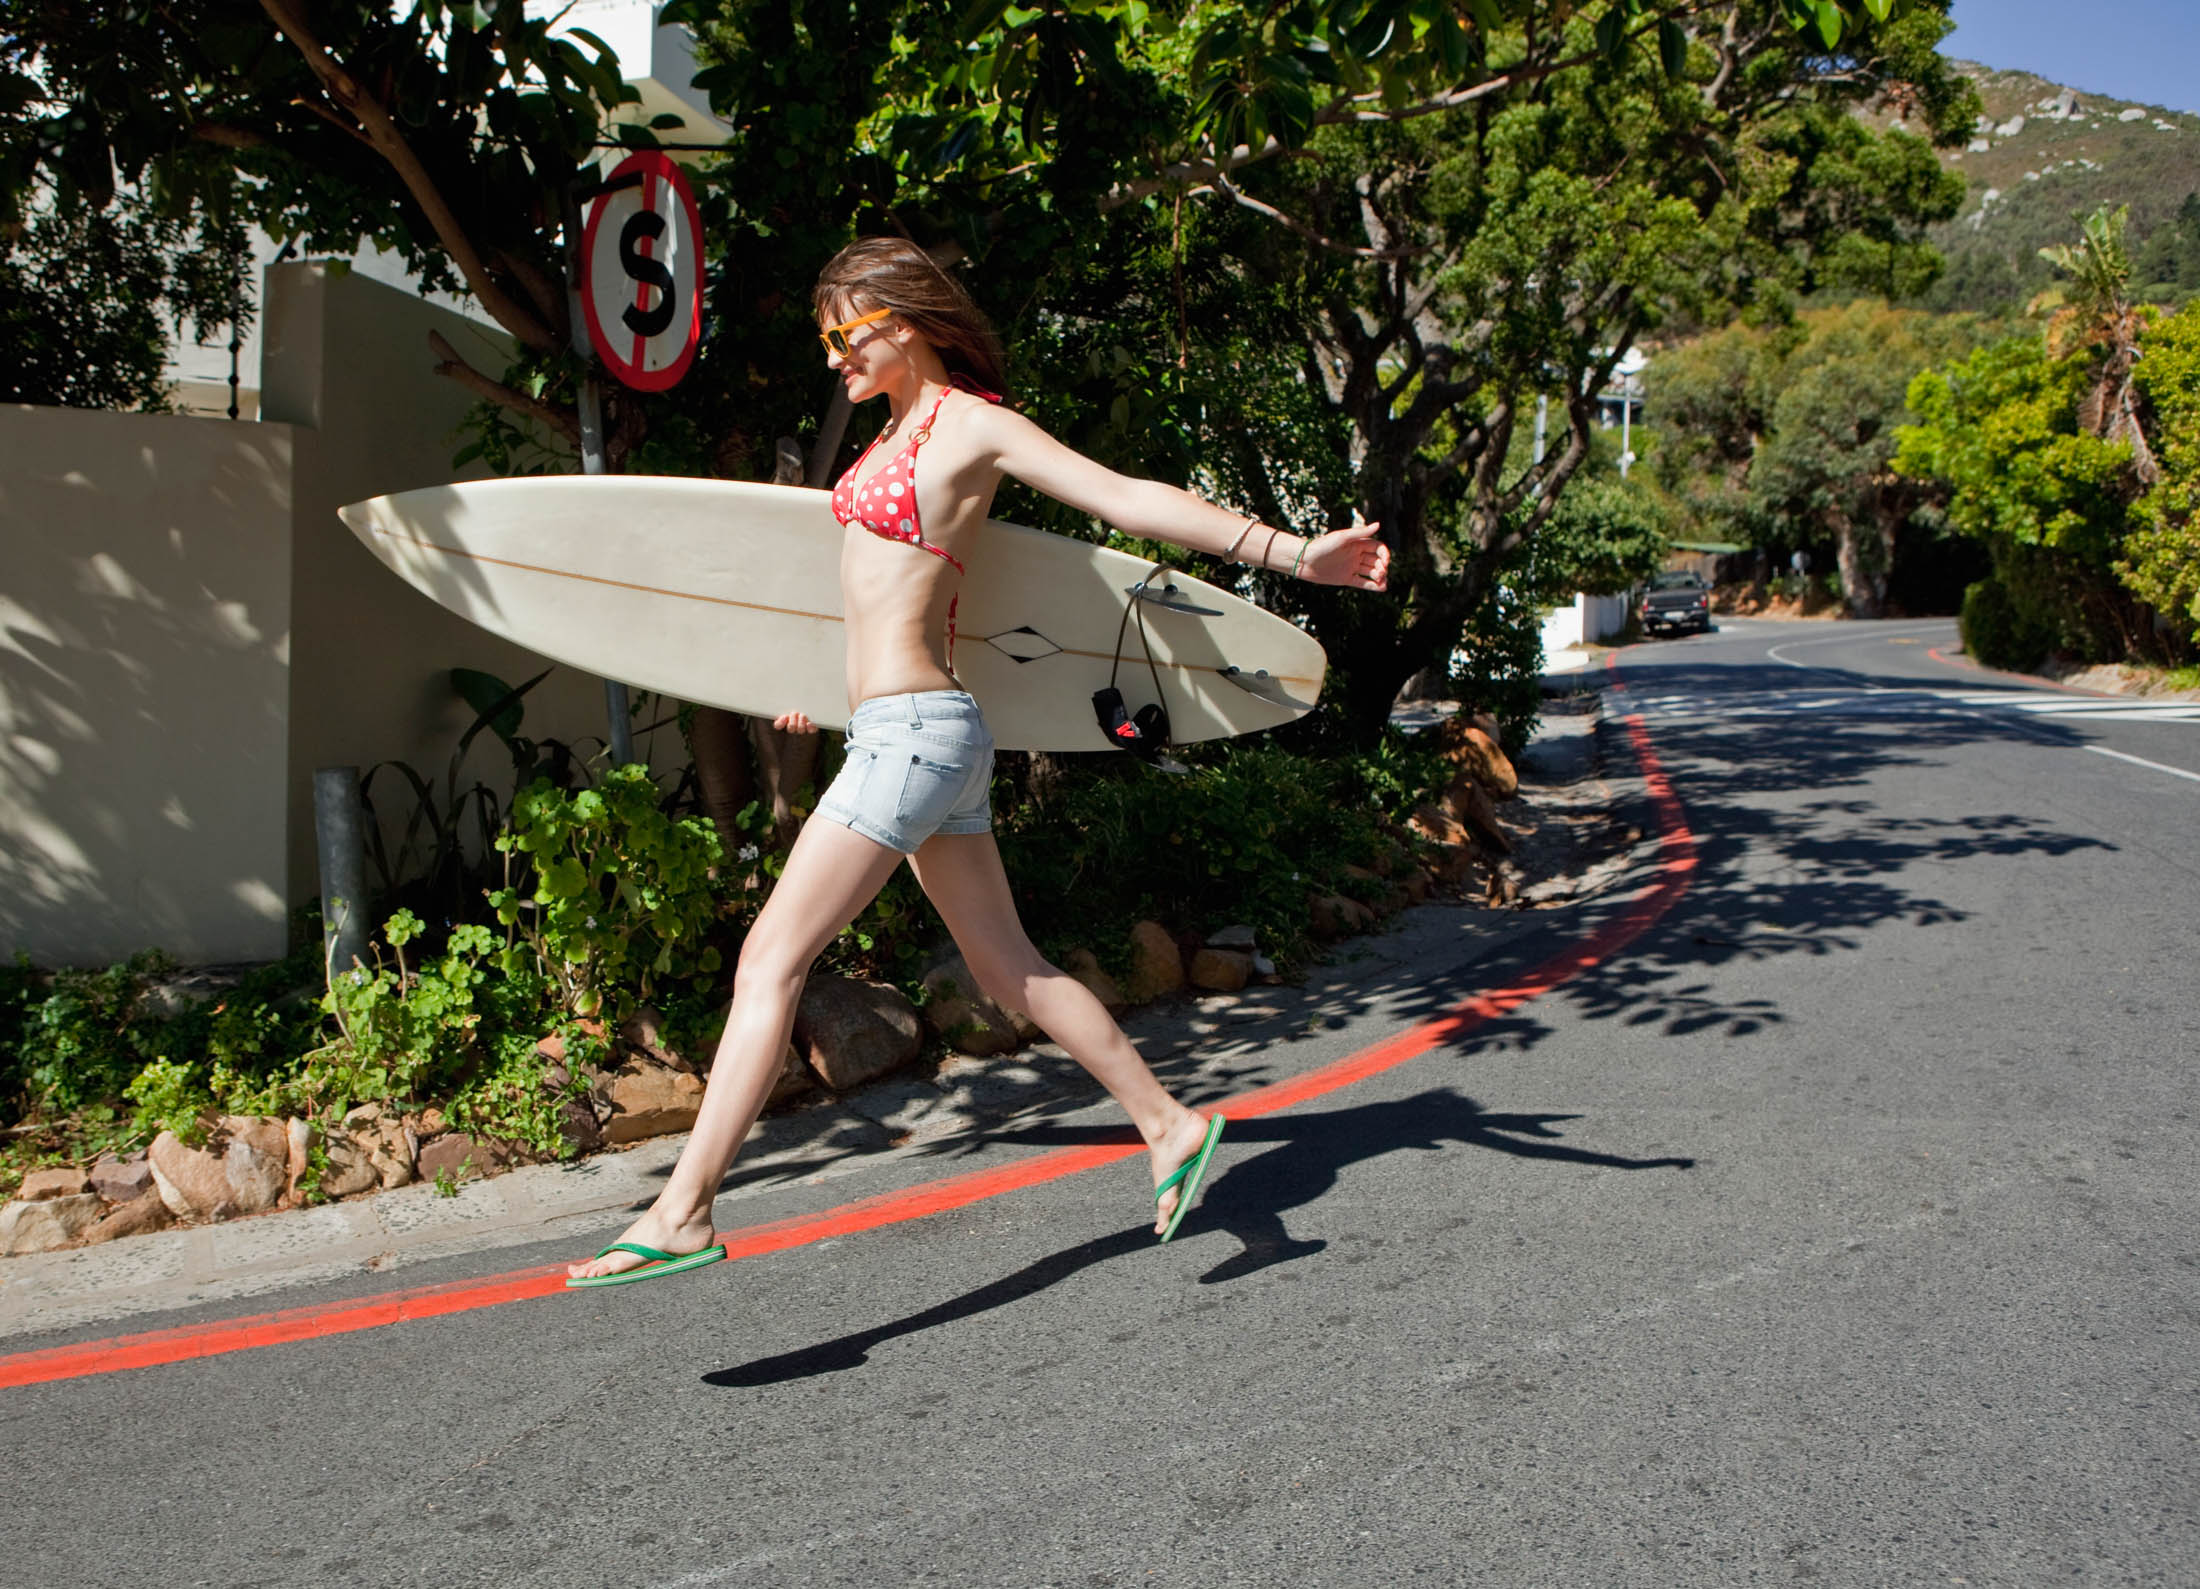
(728, 594)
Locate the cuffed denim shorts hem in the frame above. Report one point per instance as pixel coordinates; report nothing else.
(917, 765)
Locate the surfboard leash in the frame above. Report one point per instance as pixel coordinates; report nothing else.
(1146, 731)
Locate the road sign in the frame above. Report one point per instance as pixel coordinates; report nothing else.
(642, 272)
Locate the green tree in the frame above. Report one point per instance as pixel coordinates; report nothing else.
(1828, 453)
(1486, 203)
(2095, 317)
(90, 300)
(1999, 431)
(1415, 288)
(1605, 537)
(2168, 263)
(2161, 557)
(1782, 437)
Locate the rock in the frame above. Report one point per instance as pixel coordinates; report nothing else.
(1478, 755)
(121, 1180)
(1438, 826)
(47, 1223)
(257, 1160)
(1475, 808)
(644, 1029)
(851, 1032)
(1238, 936)
(1156, 967)
(242, 1169)
(578, 1125)
(1453, 863)
(1362, 874)
(957, 1009)
(1222, 970)
(1263, 966)
(795, 1079)
(648, 1099)
(1334, 915)
(392, 1147)
(42, 1184)
(350, 1168)
(1415, 886)
(1084, 965)
(461, 1156)
(133, 1218)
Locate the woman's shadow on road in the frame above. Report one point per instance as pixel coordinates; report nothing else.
(1248, 1200)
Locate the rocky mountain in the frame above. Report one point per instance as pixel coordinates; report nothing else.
(2042, 157)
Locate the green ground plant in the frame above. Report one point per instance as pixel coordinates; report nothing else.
(611, 903)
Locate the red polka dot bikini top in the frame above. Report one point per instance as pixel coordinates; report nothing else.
(886, 504)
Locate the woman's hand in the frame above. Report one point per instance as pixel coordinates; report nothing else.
(793, 723)
(1350, 557)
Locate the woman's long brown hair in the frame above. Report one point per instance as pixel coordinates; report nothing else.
(894, 273)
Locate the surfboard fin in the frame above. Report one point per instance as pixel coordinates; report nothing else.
(1260, 683)
(1168, 596)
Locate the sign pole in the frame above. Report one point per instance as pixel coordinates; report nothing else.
(616, 707)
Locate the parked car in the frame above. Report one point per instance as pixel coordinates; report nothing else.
(1676, 601)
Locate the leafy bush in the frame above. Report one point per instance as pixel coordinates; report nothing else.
(2161, 559)
(1243, 837)
(404, 1028)
(622, 900)
(1498, 667)
(170, 1096)
(1604, 536)
(1994, 633)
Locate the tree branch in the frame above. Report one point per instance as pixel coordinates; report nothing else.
(549, 296)
(349, 129)
(1203, 172)
(1222, 185)
(228, 137)
(457, 369)
(382, 132)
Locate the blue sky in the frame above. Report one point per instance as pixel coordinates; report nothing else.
(2146, 50)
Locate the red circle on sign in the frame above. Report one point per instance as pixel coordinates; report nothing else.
(624, 352)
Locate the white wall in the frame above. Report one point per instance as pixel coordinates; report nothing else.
(144, 684)
(187, 631)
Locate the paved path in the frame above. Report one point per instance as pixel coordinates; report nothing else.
(1839, 1228)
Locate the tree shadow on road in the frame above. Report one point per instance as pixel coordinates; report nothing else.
(1801, 850)
(1248, 1201)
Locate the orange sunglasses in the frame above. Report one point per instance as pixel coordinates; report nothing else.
(835, 338)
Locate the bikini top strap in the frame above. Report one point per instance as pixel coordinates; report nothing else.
(923, 433)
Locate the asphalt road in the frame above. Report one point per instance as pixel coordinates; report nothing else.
(1845, 1228)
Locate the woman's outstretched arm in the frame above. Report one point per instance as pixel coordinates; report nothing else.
(1156, 511)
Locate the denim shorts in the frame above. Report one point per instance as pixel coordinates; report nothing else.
(917, 765)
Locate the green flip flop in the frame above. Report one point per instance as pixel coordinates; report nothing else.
(660, 1264)
(1191, 1172)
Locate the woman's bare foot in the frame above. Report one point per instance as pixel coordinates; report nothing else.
(1182, 1141)
(658, 1229)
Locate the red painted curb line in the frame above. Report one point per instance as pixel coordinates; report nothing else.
(1677, 860)
(1966, 665)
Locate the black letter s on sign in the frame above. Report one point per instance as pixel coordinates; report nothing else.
(649, 272)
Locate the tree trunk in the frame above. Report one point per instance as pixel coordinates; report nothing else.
(1857, 586)
(720, 746)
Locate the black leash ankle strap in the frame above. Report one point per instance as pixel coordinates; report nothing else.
(1145, 732)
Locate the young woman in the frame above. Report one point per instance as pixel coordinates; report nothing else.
(920, 761)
